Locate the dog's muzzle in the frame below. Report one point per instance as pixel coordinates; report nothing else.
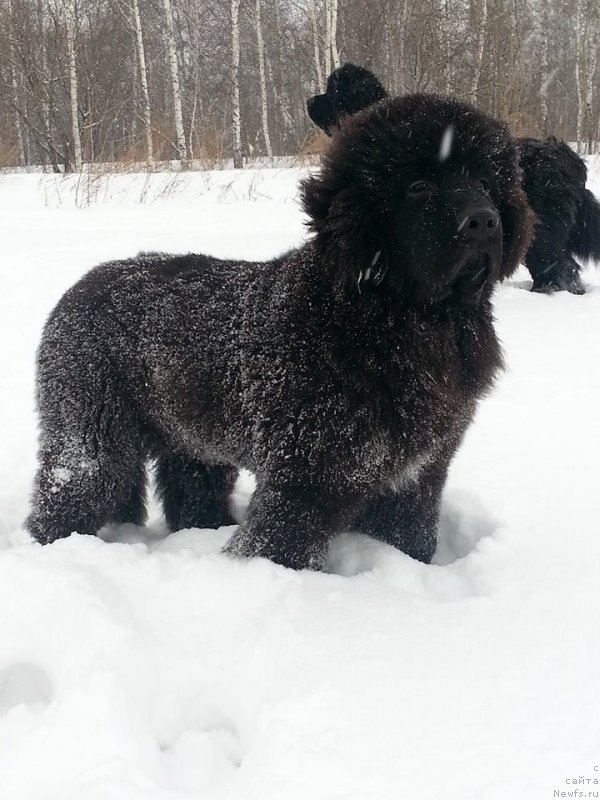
(479, 223)
(321, 112)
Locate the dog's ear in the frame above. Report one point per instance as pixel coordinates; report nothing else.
(517, 225)
(350, 233)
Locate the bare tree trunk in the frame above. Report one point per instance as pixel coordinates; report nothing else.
(402, 43)
(15, 95)
(591, 45)
(545, 76)
(335, 56)
(589, 87)
(447, 53)
(71, 19)
(284, 112)
(17, 121)
(315, 32)
(263, 84)
(176, 91)
(235, 84)
(278, 79)
(390, 51)
(479, 49)
(584, 116)
(580, 34)
(45, 101)
(328, 36)
(192, 133)
(141, 54)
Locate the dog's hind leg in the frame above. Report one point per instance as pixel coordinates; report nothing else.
(81, 494)
(194, 494)
(91, 453)
(556, 274)
(548, 260)
(82, 488)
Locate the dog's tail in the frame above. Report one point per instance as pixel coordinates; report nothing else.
(585, 235)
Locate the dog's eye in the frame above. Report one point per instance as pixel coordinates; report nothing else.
(419, 188)
(485, 185)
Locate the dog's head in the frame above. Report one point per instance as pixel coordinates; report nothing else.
(420, 196)
(349, 89)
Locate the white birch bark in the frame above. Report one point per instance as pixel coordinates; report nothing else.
(402, 43)
(591, 40)
(284, 113)
(141, 54)
(447, 53)
(263, 84)
(327, 36)
(14, 83)
(335, 56)
(45, 101)
(192, 129)
(582, 67)
(479, 50)
(315, 31)
(545, 77)
(589, 85)
(580, 77)
(71, 21)
(235, 85)
(175, 88)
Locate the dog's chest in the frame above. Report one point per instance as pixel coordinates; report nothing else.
(408, 434)
(415, 401)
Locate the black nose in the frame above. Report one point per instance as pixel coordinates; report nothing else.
(480, 223)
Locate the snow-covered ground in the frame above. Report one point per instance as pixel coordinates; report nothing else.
(147, 666)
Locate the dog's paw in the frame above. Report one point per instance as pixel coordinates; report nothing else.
(288, 552)
(559, 283)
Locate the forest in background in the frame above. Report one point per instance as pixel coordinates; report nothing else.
(130, 81)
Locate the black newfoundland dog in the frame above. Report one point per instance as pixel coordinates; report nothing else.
(554, 178)
(343, 373)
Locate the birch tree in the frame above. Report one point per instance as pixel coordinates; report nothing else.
(235, 85)
(446, 28)
(174, 72)
(335, 56)
(71, 26)
(545, 77)
(327, 36)
(315, 36)
(141, 56)
(263, 84)
(402, 43)
(480, 25)
(587, 43)
(15, 92)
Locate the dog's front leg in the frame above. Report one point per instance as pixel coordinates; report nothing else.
(290, 524)
(407, 516)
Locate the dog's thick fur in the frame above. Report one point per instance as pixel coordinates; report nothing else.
(554, 179)
(344, 373)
